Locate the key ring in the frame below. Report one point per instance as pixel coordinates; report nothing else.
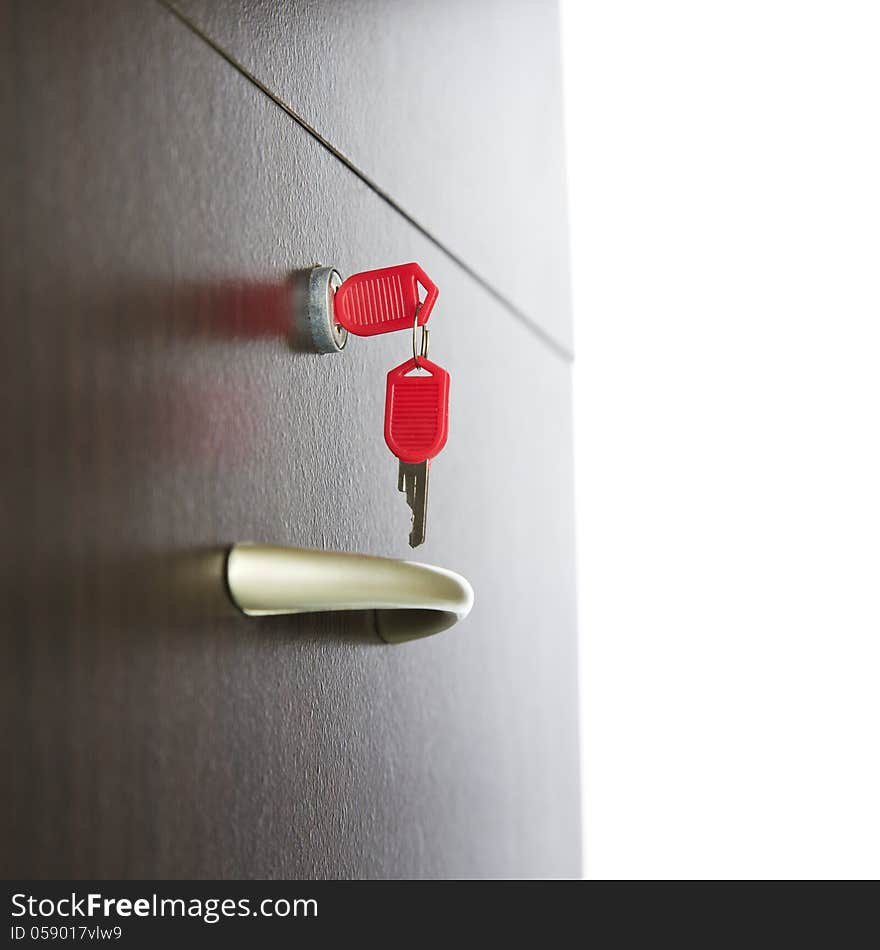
(422, 352)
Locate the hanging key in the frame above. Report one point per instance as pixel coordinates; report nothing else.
(379, 301)
(416, 426)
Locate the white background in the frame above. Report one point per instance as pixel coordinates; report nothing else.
(724, 161)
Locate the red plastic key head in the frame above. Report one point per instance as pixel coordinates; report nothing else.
(417, 410)
(379, 301)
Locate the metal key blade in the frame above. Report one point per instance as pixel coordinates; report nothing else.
(412, 478)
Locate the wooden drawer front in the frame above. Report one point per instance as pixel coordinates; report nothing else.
(157, 202)
(452, 107)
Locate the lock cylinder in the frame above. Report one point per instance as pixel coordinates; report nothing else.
(314, 328)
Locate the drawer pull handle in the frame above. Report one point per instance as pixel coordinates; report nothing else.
(410, 600)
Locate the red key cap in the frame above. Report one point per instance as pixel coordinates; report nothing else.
(379, 301)
(417, 411)
(416, 426)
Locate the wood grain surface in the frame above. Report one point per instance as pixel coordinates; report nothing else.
(454, 107)
(155, 203)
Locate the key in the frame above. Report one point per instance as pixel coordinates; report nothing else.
(379, 301)
(416, 427)
(412, 478)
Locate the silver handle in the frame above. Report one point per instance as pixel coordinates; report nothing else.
(411, 600)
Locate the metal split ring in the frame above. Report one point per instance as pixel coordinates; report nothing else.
(419, 353)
